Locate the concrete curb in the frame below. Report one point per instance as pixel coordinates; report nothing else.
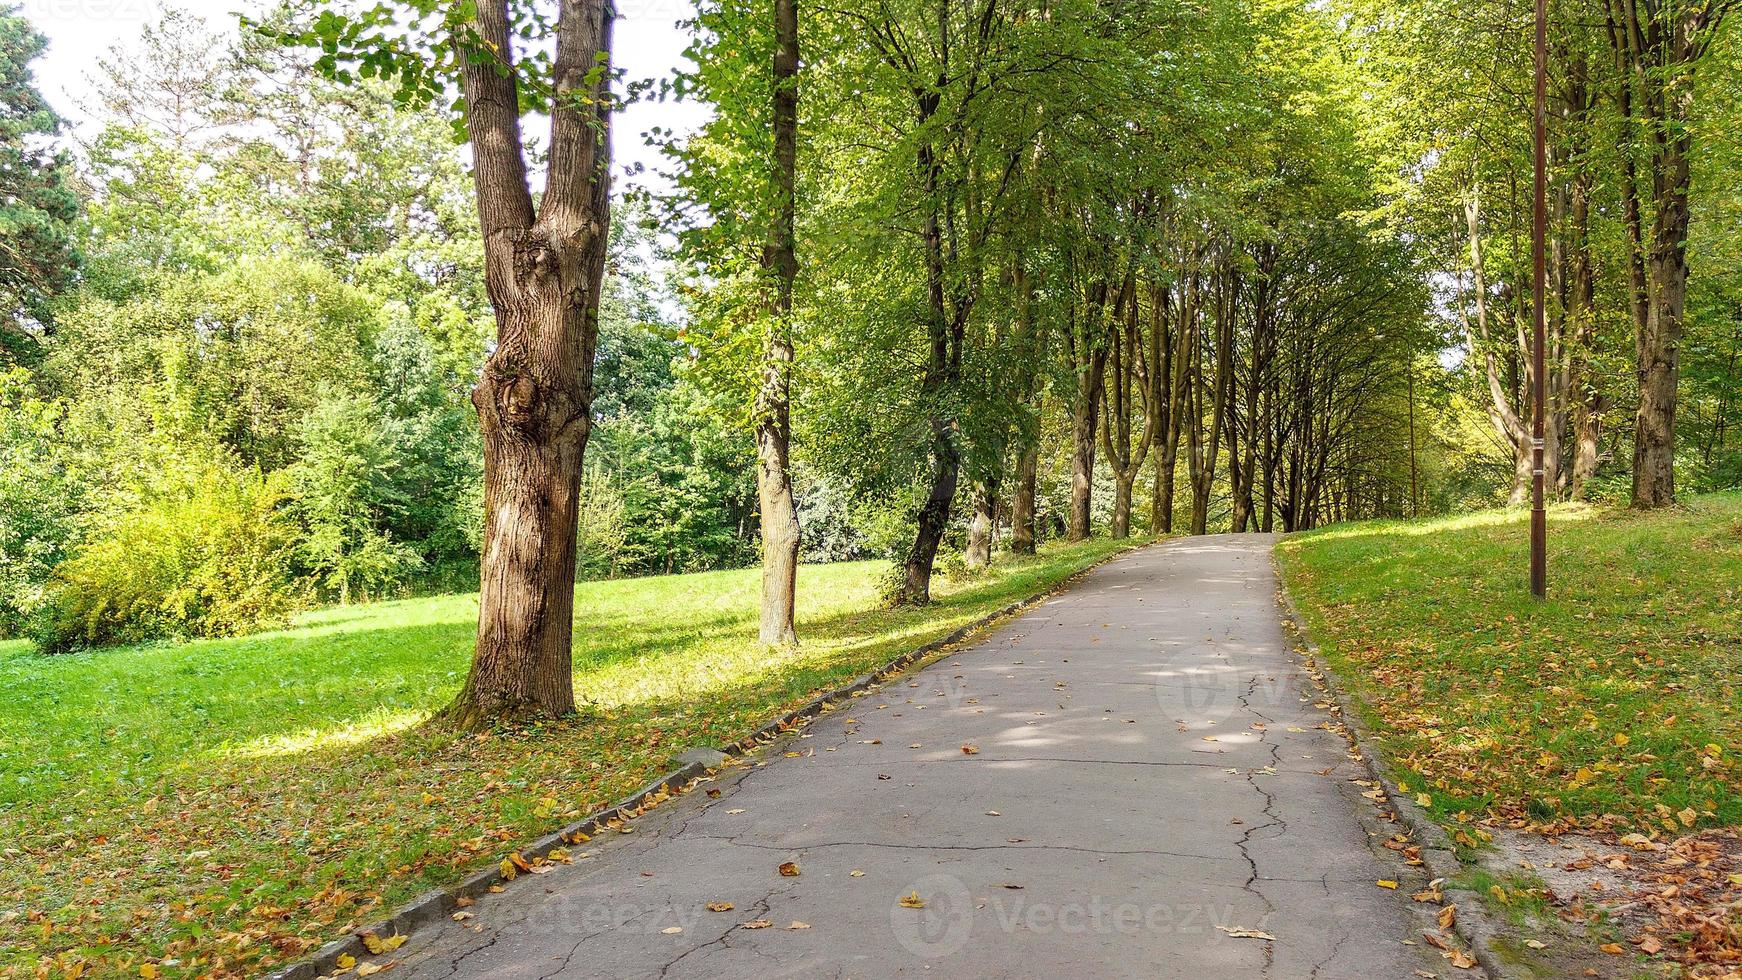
(1473, 923)
(435, 905)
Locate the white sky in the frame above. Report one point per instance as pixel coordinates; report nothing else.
(649, 44)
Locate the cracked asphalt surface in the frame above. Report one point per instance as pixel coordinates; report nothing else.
(1151, 775)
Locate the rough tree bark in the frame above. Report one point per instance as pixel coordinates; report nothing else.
(1656, 44)
(543, 269)
(977, 553)
(779, 513)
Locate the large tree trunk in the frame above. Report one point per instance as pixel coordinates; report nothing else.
(933, 518)
(1022, 506)
(981, 527)
(543, 272)
(779, 514)
(1657, 46)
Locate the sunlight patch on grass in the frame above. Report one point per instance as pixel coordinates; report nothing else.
(349, 735)
(1615, 699)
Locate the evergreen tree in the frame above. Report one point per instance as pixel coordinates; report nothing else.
(37, 203)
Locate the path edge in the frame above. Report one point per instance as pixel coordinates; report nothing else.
(439, 903)
(1474, 924)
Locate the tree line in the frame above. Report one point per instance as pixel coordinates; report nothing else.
(955, 277)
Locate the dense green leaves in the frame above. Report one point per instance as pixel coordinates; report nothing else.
(38, 257)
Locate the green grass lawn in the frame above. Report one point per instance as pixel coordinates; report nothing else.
(230, 804)
(1614, 698)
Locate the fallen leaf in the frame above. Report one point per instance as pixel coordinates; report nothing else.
(970, 750)
(1386, 883)
(756, 924)
(789, 869)
(1650, 946)
(720, 906)
(1448, 915)
(855, 873)
(795, 924)
(1613, 949)
(912, 901)
(376, 945)
(1239, 933)
(672, 930)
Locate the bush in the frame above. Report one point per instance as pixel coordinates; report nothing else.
(209, 555)
(40, 499)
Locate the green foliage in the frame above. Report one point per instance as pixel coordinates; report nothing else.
(209, 553)
(342, 488)
(41, 498)
(602, 528)
(38, 257)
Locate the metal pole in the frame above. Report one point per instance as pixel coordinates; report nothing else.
(1539, 233)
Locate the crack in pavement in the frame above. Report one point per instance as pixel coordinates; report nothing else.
(1276, 819)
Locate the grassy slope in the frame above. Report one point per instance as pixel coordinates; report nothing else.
(1618, 695)
(232, 803)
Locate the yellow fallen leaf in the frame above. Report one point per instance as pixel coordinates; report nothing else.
(855, 873)
(148, 971)
(1448, 915)
(757, 924)
(1235, 932)
(720, 906)
(1621, 740)
(1386, 883)
(377, 945)
(1613, 949)
(1461, 959)
(912, 901)
(789, 869)
(672, 930)
(795, 924)
(1499, 894)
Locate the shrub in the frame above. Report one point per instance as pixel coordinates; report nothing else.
(208, 555)
(342, 490)
(40, 499)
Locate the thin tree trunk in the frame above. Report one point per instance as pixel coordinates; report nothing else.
(942, 370)
(1085, 417)
(779, 513)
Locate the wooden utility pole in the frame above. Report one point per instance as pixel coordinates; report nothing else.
(1539, 387)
